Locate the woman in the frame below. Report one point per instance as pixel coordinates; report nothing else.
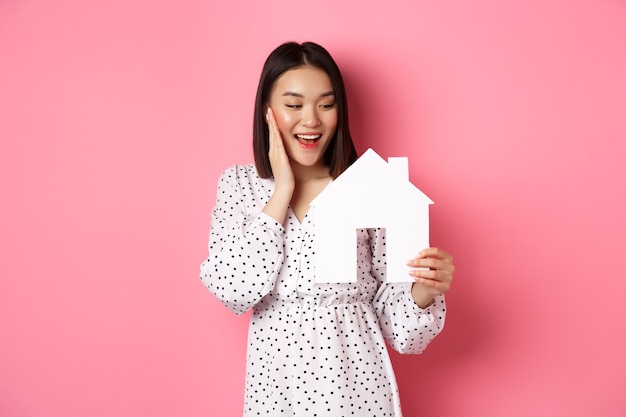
(313, 349)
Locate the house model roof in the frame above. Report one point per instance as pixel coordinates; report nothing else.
(371, 173)
(371, 193)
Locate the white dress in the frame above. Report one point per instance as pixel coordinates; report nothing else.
(313, 349)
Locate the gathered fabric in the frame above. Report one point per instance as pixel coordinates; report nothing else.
(313, 349)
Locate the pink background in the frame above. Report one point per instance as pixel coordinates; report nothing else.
(116, 117)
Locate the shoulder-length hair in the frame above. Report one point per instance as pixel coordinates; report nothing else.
(341, 151)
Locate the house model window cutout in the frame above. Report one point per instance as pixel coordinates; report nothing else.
(370, 193)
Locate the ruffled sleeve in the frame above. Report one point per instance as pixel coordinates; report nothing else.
(406, 327)
(245, 248)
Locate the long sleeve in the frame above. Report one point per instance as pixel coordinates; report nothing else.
(406, 327)
(245, 244)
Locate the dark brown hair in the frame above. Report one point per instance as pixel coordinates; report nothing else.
(341, 152)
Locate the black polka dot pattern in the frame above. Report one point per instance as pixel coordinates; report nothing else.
(313, 349)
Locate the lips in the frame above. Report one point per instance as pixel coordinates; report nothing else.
(307, 138)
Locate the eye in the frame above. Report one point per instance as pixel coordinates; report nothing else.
(327, 106)
(293, 106)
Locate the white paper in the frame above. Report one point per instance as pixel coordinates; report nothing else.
(370, 193)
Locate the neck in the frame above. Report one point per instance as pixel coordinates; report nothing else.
(304, 173)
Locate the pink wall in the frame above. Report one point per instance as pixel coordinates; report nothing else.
(116, 118)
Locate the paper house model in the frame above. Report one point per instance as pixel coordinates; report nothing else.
(370, 193)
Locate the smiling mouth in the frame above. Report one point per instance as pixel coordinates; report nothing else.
(308, 139)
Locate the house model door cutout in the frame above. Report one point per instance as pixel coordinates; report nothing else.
(370, 193)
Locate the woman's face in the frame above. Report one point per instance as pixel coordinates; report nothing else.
(303, 102)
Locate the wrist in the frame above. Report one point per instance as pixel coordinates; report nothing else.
(421, 297)
(284, 190)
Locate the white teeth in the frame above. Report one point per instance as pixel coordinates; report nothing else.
(309, 137)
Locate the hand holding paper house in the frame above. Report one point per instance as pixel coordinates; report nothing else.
(370, 193)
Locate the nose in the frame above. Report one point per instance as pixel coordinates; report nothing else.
(310, 117)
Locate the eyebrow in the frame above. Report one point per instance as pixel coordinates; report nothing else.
(292, 94)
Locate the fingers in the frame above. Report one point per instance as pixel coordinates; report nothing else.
(431, 258)
(275, 137)
(435, 269)
(279, 161)
(277, 151)
(434, 253)
(441, 275)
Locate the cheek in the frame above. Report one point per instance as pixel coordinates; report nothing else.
(285, 122)
(331, 121)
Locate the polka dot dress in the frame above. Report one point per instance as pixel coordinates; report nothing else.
(313, 349)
